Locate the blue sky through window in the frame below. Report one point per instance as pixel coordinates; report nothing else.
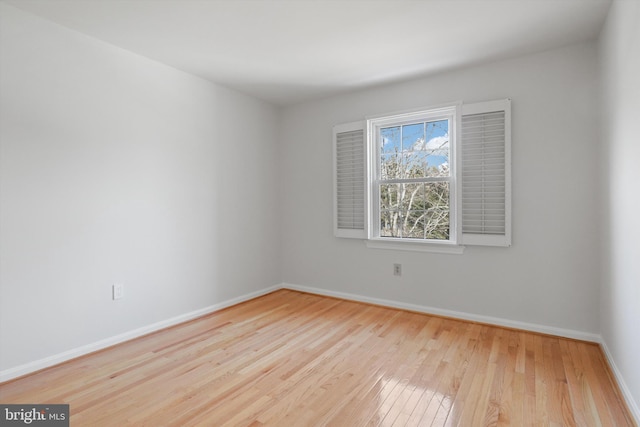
(426, 139)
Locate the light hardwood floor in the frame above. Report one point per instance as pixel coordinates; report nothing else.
(295, 359)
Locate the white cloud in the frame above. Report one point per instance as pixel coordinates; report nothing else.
(439, 146)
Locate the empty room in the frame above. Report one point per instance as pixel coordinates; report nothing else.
(319, 212)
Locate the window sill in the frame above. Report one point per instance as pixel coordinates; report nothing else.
(441, 248)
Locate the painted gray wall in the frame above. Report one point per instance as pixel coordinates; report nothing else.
(115, 168)
(550, 276)
(620, 298)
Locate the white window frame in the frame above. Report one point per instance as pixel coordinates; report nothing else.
(448, 112)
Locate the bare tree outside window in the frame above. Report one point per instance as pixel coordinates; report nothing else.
(413, 186)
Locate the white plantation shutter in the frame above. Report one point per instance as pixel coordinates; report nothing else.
(350, 180)
(486, 173)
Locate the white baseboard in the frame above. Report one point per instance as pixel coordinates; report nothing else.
(631, 403)
(47, 362)
(550, 330)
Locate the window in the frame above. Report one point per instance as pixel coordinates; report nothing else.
(432, 179)
(413, 176)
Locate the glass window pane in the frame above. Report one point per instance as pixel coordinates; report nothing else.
(436, 195)
(412, 137)
(390, 140)
(416, 165)
(390, 223)
(391, 166)
(389, 196)
(437, 224)
(437, 211)
(411, 196)
(437, 147)
(412, 207)
(414, 225)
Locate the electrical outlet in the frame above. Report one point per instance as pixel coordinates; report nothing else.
(397, 269)
(118, 291)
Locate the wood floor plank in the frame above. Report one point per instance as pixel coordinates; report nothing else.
(295, 359)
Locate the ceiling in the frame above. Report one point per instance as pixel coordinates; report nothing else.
(291, 51)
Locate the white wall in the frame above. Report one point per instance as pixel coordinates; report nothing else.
(550, 276)
(620, 304)
(115, 168)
